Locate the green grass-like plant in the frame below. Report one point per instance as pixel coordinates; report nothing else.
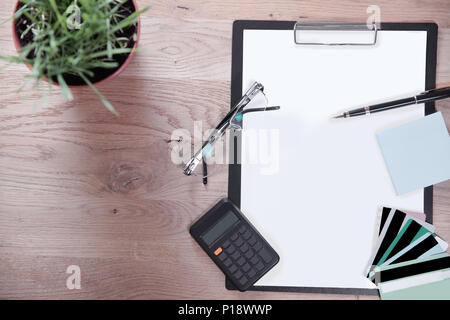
(61, 46)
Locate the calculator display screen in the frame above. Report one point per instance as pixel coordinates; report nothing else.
(228, 220)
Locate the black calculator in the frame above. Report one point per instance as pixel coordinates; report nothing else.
(234, 244)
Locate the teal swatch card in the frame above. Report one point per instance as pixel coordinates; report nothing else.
(436, 290)
(417, 154)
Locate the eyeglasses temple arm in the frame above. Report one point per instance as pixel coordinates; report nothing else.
(205, 172)
(261, 109)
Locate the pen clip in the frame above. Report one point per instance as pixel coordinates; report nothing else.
(428, 91)
(436, 89)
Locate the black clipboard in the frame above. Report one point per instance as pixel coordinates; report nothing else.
(234, 175)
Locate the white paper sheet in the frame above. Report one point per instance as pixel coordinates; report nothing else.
(319, 210)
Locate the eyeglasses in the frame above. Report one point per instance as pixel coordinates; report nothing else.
(254, 100)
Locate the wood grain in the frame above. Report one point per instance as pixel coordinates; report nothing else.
(80, 186)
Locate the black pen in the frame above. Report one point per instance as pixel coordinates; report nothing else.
(427, 96)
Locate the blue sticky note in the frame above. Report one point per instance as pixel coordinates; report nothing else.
(417, 154)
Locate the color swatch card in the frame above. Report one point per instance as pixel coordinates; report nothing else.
(404, 244)
(417, 154)
(423, 278)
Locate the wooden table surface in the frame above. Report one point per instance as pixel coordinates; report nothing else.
(79, 186)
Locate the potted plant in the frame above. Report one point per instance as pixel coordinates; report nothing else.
(75, 43)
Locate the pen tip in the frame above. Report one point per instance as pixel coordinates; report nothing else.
(338, 116)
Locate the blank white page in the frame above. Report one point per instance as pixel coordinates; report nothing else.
(319, 210)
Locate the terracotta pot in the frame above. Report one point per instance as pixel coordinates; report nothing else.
(115, 74)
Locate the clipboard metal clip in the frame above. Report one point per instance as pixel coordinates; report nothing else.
(335, 34)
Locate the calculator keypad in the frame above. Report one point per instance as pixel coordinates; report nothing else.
(244, 255)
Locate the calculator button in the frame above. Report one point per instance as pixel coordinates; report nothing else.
(252, 241)
(234, 237)
(227, 262)
(238, 242)
(267, 257)
(247, 234)
(222, 256)
(240, 261)
(250, 253)
(251, 273)
(254, 260)
(244, 248)
(259, 266)
(230, 249)
(233, 268)
(246, 267)
(226, 244)
(236, 255)
(257, 246)
(218, 251)
(238, 274)
(243, 280)
(242, 229)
